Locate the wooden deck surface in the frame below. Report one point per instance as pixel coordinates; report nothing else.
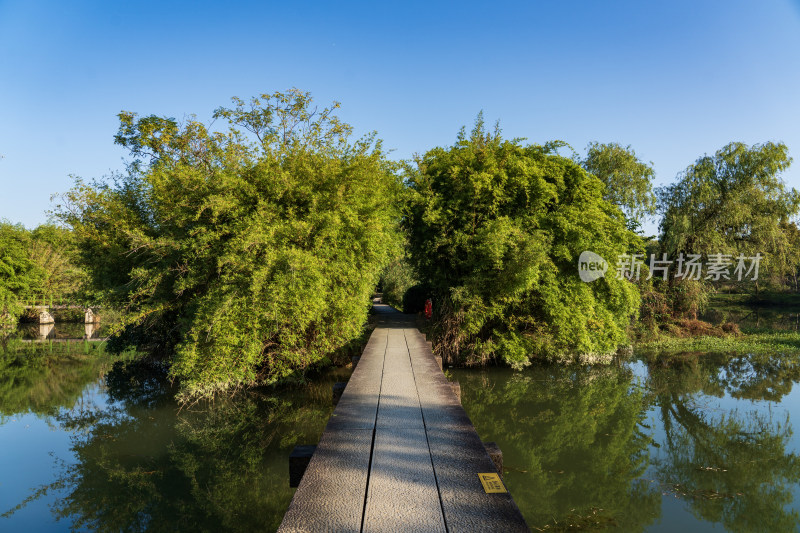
(399, 453)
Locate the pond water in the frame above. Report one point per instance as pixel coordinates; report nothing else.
(755, 317)
(93, 444)
(61, 331)
(703, 443)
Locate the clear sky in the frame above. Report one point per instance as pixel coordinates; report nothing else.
(676, 80)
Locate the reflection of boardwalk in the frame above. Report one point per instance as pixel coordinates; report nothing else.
(399, 453)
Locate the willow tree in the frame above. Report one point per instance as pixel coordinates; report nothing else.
(244, 255)
(495, 230)
(734, 202)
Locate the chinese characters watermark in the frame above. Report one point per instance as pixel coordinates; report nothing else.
(717, 267)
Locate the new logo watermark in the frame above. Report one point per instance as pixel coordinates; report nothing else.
(717, 267)
(591, 266)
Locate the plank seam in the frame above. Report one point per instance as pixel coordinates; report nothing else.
(374, 431)
(425, 428)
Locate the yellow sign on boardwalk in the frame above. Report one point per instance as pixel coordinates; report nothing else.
(491, 483)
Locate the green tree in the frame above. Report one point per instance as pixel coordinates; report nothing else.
(628, 180)
(54, 252)
(240, 256)
(396, 279)
(18, 279)
(734, 202)
(495, 230)
(792, 259)
(34, 265)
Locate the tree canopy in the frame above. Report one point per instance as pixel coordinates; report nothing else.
(628, 180)
(16, 277)
(34, 265)
(495, 231)
(730, 203)
(244, 255)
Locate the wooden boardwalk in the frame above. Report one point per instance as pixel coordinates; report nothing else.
(399, 453)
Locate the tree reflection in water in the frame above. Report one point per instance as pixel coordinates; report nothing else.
(579, 455)
(573, 443)
(143, 464)
(734, 467)
(577, 450)
(32, 380)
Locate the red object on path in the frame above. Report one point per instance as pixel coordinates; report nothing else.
(428, 308)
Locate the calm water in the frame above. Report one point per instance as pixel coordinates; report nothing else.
(749, 317)
(61, 331)
(91, 445)
(706, 443)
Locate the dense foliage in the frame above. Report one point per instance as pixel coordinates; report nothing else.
(628, 180)
(16, 277)
(395, 281)
(240, 256)
(495, 230)
(732, 203)
(54, 253)
(36, 266)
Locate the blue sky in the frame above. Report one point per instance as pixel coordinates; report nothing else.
(675, 80)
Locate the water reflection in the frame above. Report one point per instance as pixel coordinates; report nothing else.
(42, 382)
(581, 451)
(749, 376)
(44, 331)
(142, 464)
(584, 448)
(733, 466)
(573, 442)
(61, 331)
(769, 317)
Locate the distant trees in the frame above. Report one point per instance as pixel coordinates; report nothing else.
(495, 229)
(36, 265)
(724, 206)
(792, 233)
(733, 203)
(628, 180)
(54, 252)
(396, 280)
(244, 255)
(17, 279)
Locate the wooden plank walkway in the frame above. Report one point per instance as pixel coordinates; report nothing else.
(399, 453)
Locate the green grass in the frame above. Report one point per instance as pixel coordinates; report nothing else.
(763, 343)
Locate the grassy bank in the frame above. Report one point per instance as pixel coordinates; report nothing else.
(764, 324)
(762, 343)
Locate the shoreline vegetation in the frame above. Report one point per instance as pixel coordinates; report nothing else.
(247, 255)
(728, 336)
